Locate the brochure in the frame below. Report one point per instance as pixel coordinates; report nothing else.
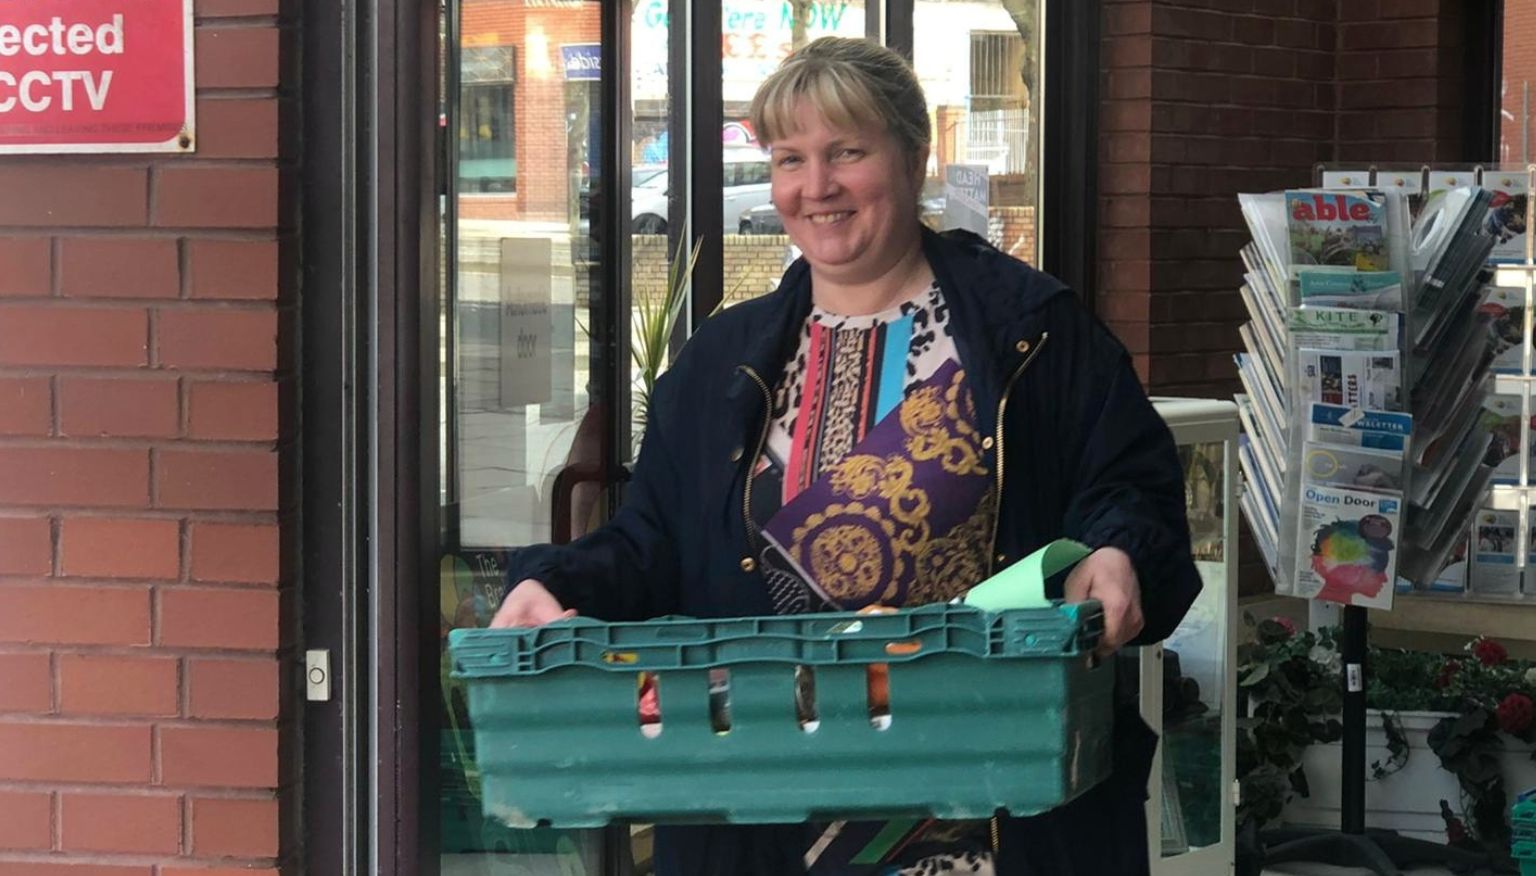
(1346, 546)
(1366, 290)
(1334, 328)
(1354, 379)
(1357, 468)
(1344, 426)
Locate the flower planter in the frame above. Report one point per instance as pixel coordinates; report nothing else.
(1408, 801)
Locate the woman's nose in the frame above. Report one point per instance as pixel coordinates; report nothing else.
(821, 182)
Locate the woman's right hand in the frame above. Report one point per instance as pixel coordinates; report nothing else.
(530, 604)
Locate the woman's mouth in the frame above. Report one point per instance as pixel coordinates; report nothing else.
(829, 218)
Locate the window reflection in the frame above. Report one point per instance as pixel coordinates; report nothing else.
(984, 103)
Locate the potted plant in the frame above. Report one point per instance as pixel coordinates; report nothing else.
(1449, 736)
(1290, 699)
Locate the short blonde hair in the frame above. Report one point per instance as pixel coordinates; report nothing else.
(853, 83)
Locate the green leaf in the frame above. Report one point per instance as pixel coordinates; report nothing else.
(1255, 675)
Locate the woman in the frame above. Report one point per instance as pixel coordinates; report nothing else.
(906, 413)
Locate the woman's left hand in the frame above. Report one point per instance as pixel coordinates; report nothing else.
(1108, 576)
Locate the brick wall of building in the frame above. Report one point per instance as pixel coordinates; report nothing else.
(141, 441)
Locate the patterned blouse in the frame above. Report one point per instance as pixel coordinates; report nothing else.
(872, 491)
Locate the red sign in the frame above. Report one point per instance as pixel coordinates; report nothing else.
(96, 76)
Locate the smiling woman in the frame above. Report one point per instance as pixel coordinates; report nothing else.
(867, 408)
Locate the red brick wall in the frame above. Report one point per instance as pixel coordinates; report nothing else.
(1199, 104)
(1203, 99)
(1519, 68)
(1400, 81)
(140, 516)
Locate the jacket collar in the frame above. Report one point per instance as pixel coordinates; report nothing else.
(992, 299)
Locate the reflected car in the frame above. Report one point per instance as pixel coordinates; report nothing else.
(744, 185)
(762, 219)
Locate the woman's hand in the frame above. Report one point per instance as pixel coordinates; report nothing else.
(530, 604)
(1108, 576)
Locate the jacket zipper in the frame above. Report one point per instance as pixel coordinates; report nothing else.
(762, 439)
(997, 510)
(1002, 408)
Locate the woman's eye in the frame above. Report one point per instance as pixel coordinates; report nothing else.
(850, 154)
(788, 160)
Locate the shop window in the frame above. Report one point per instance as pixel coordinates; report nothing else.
(983, 172)
(487, 133)
(1517, 79)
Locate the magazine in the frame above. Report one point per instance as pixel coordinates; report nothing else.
(1353, 379)
(1344, 230)
(1507, 214)
(1346, 546)
(1365, 290)
(1265, 216)
(1505, 308)
(1494, 569)
(1352, 427)
(1501, 417)
(1334, 328)
(1357, 468)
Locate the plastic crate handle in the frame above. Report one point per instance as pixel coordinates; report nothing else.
(1022, 584)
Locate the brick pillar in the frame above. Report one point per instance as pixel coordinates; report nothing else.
(141, 299)
(1400, 81)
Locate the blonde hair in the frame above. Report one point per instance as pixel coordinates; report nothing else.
(854, 84)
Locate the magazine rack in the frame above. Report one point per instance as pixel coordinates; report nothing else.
(1416, 391)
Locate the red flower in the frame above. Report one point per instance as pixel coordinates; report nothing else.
(1488, 652)
(1287, 623)
(1447, 672)
(1515, 714)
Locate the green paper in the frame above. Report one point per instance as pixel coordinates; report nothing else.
(892, 833)
(1022, 585)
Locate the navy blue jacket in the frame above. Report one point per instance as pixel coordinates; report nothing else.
(1083, 455)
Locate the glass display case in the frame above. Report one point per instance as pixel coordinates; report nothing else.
(1188, 682)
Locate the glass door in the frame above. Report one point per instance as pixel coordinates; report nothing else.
(527, 416)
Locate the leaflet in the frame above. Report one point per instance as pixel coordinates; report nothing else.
(1352, 427)
(1354, 379)
(1505, 308)
(1356, 468)
(1336, 328)
(1493, 561)
(1365, 290)
(1346, 548)
(1501, 417)
(1507, 214)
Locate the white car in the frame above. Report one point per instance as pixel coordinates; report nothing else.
(744, 185)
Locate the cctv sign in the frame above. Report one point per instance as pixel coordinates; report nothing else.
(96, 76)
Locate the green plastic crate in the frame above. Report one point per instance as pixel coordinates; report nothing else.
(1523, 816)
(1524, 851)
(988, 711)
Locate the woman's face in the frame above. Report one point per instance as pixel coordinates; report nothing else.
(847, 197)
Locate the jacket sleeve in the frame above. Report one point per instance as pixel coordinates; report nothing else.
(626, 569)
(1128, 487)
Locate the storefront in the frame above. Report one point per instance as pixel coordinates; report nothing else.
(271, 413)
